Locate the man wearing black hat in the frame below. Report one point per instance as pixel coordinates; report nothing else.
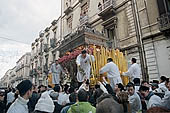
(25, 92)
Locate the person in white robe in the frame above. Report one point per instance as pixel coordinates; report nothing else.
(113, 73)
(83, 64)
(56, 70)
(134, 71)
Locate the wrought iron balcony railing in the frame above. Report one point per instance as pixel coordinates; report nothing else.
(164, 22)
(84, 19)
(106, 7)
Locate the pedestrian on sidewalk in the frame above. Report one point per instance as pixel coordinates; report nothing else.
(25, 92)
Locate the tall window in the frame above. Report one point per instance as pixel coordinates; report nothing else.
(111, 36)
(69, 22)
(37, 48)
(84, 9)
(47, 36)
(26, 59)
(46, 59)
(54, 55)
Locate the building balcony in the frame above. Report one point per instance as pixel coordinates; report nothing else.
(164, 22)
(84, 20)
(106, 8)
(80, 1)
(54, 22)
(68, 10)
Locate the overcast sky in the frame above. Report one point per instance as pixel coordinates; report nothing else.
(22, 20)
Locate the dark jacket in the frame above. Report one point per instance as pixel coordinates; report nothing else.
(33, 101)
(2, 107)
(66, 108)
(57, 108)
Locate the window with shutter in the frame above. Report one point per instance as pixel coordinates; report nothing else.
(84, 9)
(69, 22)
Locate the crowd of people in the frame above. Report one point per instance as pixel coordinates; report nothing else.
(105, 97)
(135, 97)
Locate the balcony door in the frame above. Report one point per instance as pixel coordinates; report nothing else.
(163, 6)
(111, 36)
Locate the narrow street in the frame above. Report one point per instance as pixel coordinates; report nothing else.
(89, 56)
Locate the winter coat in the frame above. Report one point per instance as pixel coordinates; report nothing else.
(165, 102)
(135, 103)
(113, 73)
(84, 64)
(133, 72)
(82, 107)
(2, 107)
(162, 88)
(153, 100)
(56, 71)
(19, 106)
(10, 97)
(63, 98)
(57, 108)
(66, 108)
(33, 101)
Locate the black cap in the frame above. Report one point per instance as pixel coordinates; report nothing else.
(24, 86)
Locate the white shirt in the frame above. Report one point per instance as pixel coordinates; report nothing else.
(133, 72)
(111, 69)
(84, 64)
(137, 88)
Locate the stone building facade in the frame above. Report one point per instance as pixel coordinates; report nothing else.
(44, 52)
(138, 27)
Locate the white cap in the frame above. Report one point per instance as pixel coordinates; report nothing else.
(45, 103)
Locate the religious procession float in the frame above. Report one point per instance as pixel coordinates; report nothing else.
(96, 44)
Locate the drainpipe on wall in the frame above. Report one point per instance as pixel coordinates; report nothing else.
(61, 36)
(139, 36)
